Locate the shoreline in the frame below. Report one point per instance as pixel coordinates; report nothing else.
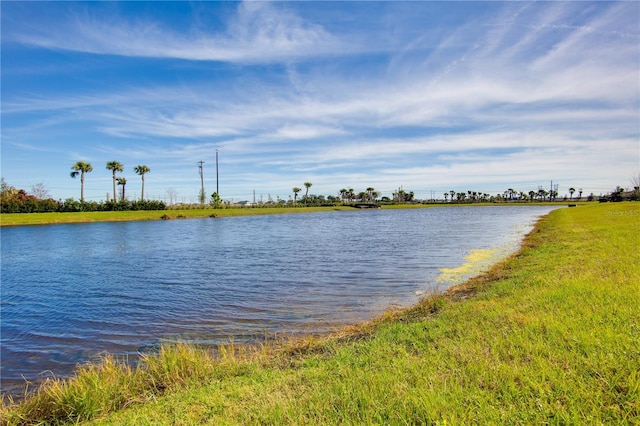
(57, 218)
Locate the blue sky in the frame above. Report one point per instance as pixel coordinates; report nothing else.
(430, 96)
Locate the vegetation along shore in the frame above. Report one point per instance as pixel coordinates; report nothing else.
(50, 218)
(551, 335)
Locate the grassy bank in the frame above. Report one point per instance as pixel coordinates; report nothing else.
(552, 335)
(15, 219)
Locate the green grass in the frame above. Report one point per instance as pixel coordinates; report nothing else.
(552, 335)
(16, 219)
(13, 219)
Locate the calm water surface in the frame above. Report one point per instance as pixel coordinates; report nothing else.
(71, 292)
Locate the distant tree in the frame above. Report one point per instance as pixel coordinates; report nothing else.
(343, 194)
(13, 200)
(306, 194)
(4, 186)
(351, 195)
(142, 170)
(173, 195)
(295, 193)
(635, 183)
(40, 191)
(571, 191)
(616, 194)
(216, 201)
(579, 193)
(532, 194)
(446, 195)
(509, 193)
(372, 194)
(542, 194)
(80, 168)
(403, 196)
(115, 167)
(453, 194)
(333, 199)
(122, 182)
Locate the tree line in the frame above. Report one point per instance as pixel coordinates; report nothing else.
(13, 200)
(349, 195)
(508, 195)
(81, 168)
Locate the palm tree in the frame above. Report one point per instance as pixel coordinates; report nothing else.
(402, 196)
(369, 197)
(80, 168)
(142, 170)
(571, 191)
(343, 194)
(306, 194)
(115, 167)
(542, 194)
(453, 193)
(122, 181)
(295, 193)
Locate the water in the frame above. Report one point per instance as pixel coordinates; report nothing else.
(72, 292)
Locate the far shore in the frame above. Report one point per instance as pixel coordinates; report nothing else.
(20, 219)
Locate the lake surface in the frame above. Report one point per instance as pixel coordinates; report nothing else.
(71, 292)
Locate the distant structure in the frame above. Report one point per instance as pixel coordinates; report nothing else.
(202, 197)
(217, 186)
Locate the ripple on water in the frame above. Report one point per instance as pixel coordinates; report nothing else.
(71, 292)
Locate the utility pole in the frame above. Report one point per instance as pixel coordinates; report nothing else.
(553, 191)
(202, 197)
(217, 187)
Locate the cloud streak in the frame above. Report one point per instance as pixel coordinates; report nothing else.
(259, 32)
(525, 91)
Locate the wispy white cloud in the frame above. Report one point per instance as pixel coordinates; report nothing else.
(531, 91)
(259, 32)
